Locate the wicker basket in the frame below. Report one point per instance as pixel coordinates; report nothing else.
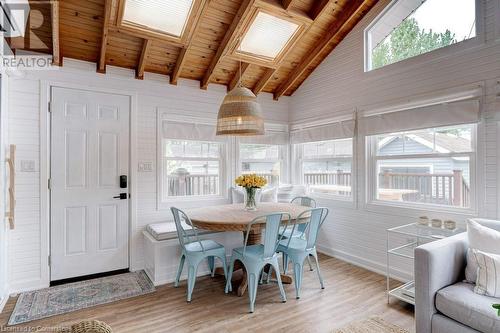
(91, 326)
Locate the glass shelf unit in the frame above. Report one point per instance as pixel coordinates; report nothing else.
(407, 238)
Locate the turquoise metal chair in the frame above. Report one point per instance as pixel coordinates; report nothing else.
(194, 250)
(301, 201)
(297, 249)
(256, 257)
(287, 233)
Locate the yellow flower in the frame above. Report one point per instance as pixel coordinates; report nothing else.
(250, 180)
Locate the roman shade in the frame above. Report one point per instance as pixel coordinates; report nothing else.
(333, 131)
(270, 138)
(443, 114)
(177, 130)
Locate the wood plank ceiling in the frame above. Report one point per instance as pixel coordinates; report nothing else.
(91, 30)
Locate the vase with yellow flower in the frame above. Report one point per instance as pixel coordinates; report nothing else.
(251, 183)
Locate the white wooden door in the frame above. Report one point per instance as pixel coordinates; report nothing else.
(89, 153)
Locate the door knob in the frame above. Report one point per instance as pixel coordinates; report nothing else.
(122, 196)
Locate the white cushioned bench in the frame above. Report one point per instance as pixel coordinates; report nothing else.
(162, 250)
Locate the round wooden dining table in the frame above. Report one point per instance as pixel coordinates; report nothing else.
(234, 217)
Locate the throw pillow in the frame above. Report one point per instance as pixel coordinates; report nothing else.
(237, 195)
(269, 195)
(488, 274)
(483, 239)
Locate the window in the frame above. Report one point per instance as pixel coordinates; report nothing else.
(326, 166)
(429, 166)
(262, 159)
(412, 27)
(191, 168)
(267, 36)
(168, 16)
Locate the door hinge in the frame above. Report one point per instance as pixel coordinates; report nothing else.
(48, 259)
(50, 107)
(49, 184)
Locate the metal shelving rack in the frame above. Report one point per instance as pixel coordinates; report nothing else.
(415, 235)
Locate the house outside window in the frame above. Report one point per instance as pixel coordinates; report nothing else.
(430, 166)
(408, 28)
(191, 168)
(326, 167)
(262, 159)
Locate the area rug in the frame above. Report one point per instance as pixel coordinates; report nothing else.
(69, 297)
(372, 325)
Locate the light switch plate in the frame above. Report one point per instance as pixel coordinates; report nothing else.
(145, 167)
(27, 166)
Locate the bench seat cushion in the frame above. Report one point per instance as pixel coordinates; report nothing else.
(459, 302)
(162, 231)
(166, 230)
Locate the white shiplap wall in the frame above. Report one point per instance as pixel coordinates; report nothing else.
(339, 86)
(3, 189)
(27, 248)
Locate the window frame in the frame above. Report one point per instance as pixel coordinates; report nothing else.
(165, 202)
(299, 172)
(371, 173)
(283, 151)
(427, 56)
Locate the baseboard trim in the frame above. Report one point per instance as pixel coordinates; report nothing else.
(370, 265)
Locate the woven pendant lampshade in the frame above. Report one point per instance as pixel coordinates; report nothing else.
(240, 114)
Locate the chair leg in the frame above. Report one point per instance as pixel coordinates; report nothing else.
(269, 274)
(319, 271)
(261, 281)
(280, 284)
(253, 283)
(179, 271)
(229, 286)
(192, 270)
(285, 263)
(211, 265)
(298, 272)
(224, 265)
(310, 264)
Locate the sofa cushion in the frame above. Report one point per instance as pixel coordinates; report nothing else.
(460, 303)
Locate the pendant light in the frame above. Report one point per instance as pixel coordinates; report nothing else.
(239, 113)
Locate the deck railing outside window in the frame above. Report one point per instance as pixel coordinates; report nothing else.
(447, 189)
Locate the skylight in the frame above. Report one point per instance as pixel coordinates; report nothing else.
(169, 16)
(267, 36)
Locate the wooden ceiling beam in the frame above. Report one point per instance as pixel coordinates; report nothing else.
(275, 6)
(286, 3)
(229, 36)
(236, 77)
(318, 8)
(181, 59)
(346, 18)
(259, 86)
(146, 47)
(56, 50)
(101, 66)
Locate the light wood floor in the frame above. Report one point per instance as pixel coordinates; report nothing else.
(351, 293)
